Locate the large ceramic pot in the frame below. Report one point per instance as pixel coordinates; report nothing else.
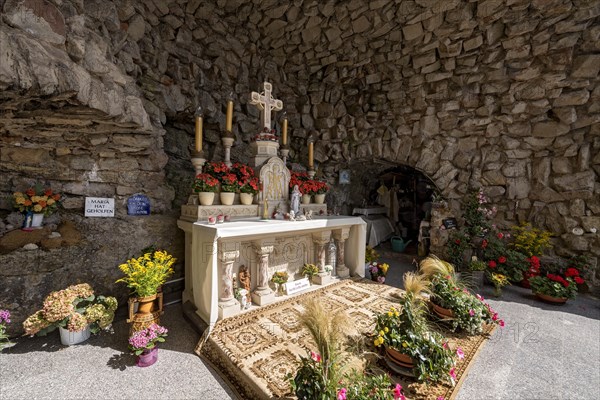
(401, 359)
(246, 198)
(441, 311)
(147, 358)
(550, 299)
(306, 199)
(227, 198)
(70, 338)
(206, 198)
(146, 304)
(320, 198)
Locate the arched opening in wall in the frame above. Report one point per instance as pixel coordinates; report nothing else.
(396, 204)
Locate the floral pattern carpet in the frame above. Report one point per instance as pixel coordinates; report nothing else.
(255, 351)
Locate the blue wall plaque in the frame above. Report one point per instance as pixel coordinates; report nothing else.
(138, 204)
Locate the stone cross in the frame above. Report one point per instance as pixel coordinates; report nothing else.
(266, 103)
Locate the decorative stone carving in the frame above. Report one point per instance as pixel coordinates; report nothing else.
(340, 236)
(228, 305)
(321, 240)
(263, 294)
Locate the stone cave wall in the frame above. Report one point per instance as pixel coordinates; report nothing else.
(98, 100)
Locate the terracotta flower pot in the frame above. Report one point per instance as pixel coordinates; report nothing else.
(441, 311)
(550, 299)
(399, 358)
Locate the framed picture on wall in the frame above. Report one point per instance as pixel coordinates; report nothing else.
(344, 177)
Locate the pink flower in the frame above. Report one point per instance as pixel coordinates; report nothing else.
(381, 279)
(316, 357)
(341, 394)
(445, 345)
(453, 372)
(479, 297)
(398, 392)
(440, 398)
(460, 353)
(500, 235)
(501, 323)
(471, 312)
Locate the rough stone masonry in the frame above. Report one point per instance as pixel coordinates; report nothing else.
(97, 100)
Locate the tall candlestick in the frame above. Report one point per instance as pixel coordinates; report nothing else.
(198, 134)
(229, 120)
(310, 155)
(284, 132)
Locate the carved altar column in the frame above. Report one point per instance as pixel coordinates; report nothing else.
(321, 240)
(228, 305)
(340, 236)
(263, 294)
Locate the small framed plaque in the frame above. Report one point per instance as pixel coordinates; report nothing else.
(296, 286)
(450, 223)
(344, 177)
(138, 204)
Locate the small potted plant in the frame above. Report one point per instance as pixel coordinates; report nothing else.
(556, 288)
(499, 281)
(144, 275)
(36, 202)
(279, 278)
(378, 271)
(454, 303)
(309, 270)
(76, 311)
(408, 340)
(229, 187)
(307, 188)
(4, 320)
(206, 186)
(144, 344)
(248, 190)
(320, 189)
(477, 268)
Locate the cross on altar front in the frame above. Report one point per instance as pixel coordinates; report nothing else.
(266, 103)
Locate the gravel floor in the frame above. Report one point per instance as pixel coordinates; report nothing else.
(543, 352)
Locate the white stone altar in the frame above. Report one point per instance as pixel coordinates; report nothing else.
(215, 252)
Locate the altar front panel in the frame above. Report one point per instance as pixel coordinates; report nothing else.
(292, 247)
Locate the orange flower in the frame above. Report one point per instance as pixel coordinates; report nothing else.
(30, 192)
(27, 203)
(56, 197)
(48, 192)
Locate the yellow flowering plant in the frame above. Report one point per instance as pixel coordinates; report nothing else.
(36, 199)
(145, 274)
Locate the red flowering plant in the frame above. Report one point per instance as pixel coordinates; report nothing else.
(503, 260)
(320, 187)
(555, 285)
(36, 199)
(251, 186)
(229, 183)
(308, 187)
(215, 169)
(243, 172)
(298, 178)
(458, 243)
(205, 183)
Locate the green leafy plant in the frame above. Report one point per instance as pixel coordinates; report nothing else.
(251, 186)
(469, 311)
(476, 214)
(370, 254)
(4, 320)
(529, 240)
(73, 308)
(405, 330)
(145, 274)
(280, 277)
(458, 243)
(476, 264)
(309, 270)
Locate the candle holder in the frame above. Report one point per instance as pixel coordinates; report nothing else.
(211, 220)
(227, 140)
(220, 219)
(311, 173)
(285, 151)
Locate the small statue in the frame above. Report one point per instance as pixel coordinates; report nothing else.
(295, 200)
(309, 214)
(291, 215)
(245, 279)
(301, 218)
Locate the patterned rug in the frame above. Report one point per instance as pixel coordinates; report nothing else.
(255, 351)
